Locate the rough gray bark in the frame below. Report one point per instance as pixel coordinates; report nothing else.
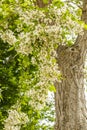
(71, 112)
(69, 98)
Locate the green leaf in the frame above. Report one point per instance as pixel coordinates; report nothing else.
(85, 26)
(52, 88)
(58, 3)
(10, 49)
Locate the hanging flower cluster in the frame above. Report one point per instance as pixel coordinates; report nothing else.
(15, 120)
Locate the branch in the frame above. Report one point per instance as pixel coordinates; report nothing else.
(84, 11)
(41, 4)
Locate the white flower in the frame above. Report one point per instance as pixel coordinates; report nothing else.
(8, 36)
(15, 119)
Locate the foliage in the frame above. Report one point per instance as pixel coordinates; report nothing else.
(13, 98)
(29, 36)
(8, 79)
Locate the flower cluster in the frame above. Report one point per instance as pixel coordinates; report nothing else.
(15, 120)
(8, 36)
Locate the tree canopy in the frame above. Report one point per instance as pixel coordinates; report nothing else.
(30, 33)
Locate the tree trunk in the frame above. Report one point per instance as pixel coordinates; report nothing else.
(69, 97)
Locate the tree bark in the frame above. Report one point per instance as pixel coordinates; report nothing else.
(69, 98)
(70, 104)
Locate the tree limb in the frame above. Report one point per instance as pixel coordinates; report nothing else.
(41, 4)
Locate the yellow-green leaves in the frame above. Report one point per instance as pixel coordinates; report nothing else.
(58, 3)
(45, 1)
(52, 88)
